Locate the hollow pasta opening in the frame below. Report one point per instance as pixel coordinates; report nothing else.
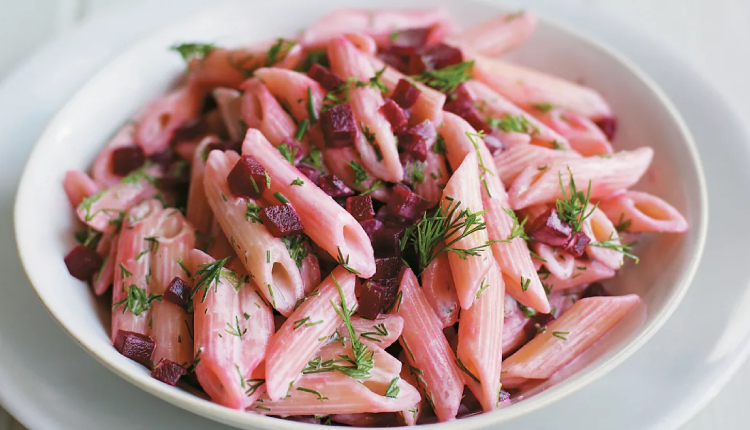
(652, 211)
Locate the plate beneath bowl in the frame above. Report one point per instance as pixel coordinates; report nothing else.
(72, 382)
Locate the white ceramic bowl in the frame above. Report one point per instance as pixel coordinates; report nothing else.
(44, 221)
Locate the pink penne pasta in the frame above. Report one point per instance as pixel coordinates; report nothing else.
(103, 210)
(429, 105)
(106, 247)
(526, 87)
(78, 186)
(435, 175)
(521, 279)
(584, 136)
(101, 169)
(233, 325)
(381, 332)
(165, 115)
(463, 191)
(325, 222)
(514, 326)
(514, 160)
(171, 326)
(497, 35)
(558, 262)
(480, 332)
(379, 152)
(411, 415)
(566, 338)
(637, 212)
(298, 339)
(378, 24)
(561, 301)
(385, 367)
(428, 351)
(216, 244)
(291, 88)
(132, 294)
(198, 211)
(340, 160)
(585, 271)
(261, 110)
(607, 175)
(229, 102)
(264, 256)
(600, 229)
(309, 270)
(363, 42)
(510, 122)
(440, 290)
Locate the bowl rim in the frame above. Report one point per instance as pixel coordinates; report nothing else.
(206, 408)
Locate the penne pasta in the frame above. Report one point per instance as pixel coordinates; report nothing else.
(291, 89)
(78, 186)
(198, 212)
(381, 332)
(340, 161)
(497, 35)
(639, 212)
(165, 115)
(107, 247)
(559, 263)
(584, 272)
(440, 290)
(261, 110)
(229, 102)
(514, 160)
(601, 230)
(584, 136)
(515, 323)
(309, 270)
(102, 169)
(435, 174)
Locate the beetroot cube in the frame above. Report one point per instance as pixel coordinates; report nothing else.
(550, 230)
(168, 372)
(176, 174)
(248, 178)
(395, 115)
(371, 227)
(464, 108)
(595, 290)
(405, 94)
(387, 268)
(125, 159)
(311, 172)
(360, 207)
(387, 242)
(324, 76)
(163, 158)
(335, 187)
(281, 220)
(178, 292)
(191, 130)
(608, 126)
(434, 57)
(395, 60)
(578, 243)
(409, 40)
(83, 262)
(338, 125)
(412, 145)
(406, 204)
(371, 300)
(427, 130)
(137, 347)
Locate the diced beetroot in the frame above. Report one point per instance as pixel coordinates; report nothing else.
(412, 145)
(125, 159)
(168, 372)
(427, 130)
(494, 144)
(434, 57)
(360, 207)
(178, 292)
(578, 243)
(406, 204)
(608, 126)
(338, 125)
(247, 178)
(137, 347)
(408, 41)
(550, 230)
(405, 94)
(395, 60)
(324, 76)
(395, 115)
(465, 108)
(390, 220)
(163, 158)
(311, 172)
(503, 396)
(176, 174)
(83, 262)
(387, 268)
(335, 187)
(281, 220)
(594, 290)
(191, 130)
(371, 299)
(385, 239)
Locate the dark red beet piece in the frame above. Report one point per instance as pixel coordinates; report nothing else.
(412, 145)
(168, 372)
(406, 204)
(83, 262)
(335, 187)
(384, 239)
(191, 130)
(137, 347)
(247, 178)
(371, 300)
(178, 292)
(338, 125)
(594, 290)
(408, 41)
(281, 220)
(405, 94)
(324, 76)
(434, 57)
(360, 207)
(395, 115)
(176, 174)
(550, 230)
(395, 60)
(387, 268)
(311, 172)
(163, 158)
(125, 159)
(427, 130)
(578, 243)
(608, 126)
(464, 108)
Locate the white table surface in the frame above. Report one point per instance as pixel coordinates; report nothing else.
(714, 35)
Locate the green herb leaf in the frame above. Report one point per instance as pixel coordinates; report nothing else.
(189, 51)
(448, 78)
(393, 389)
(208, 274)
(572, 207)
(136, 300)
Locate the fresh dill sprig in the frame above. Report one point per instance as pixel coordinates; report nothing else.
(297, 247)
(307, 390)
(623, 224)
(252, 212)
(311, 112)
(518, 227)
(189, 51)
(415, 171)
(287, 152)
(301, 130)
(615, 245)
(511, 123)
(278, 51)
(136, 300)
(448, 78)
(235, 330)
(393, 389)
(314, 159)
(572, 207)
(208, 274)
(380, 330)
(344, 262)
(374, 82)
(362, 361)
(464, 369)
(360, 175)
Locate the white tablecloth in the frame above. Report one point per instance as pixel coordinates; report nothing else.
(712, 34)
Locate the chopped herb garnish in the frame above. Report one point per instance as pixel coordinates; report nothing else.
(393, 389)
(514, 15)
(525, 283)
(376, 185)
(511, 123)
(483, 286)
(380, 330)
(518, 227)
(278, 51)
(301, 300)
(557, 145)
(281, 198)
(189, 51)
(235, 329)
(439, 146)
(253, 385)
(622, 224)
(463, 368)
(448, 78)
(297, 247)
(415, 171)
(561, 334)
(344, 262)
(252, 212)
(362, 361)
(124, 272)
(527, 312)
(374, 82)
(136, 300)
(301, 130)
(314, 159)
(614, 244)
(542, 107)
(208, 274)
(572, 207)
(307, 390)
(360, 175)
(297, 182)
(287, 152)
(184, 268)
(370, 136)
(311, 113)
